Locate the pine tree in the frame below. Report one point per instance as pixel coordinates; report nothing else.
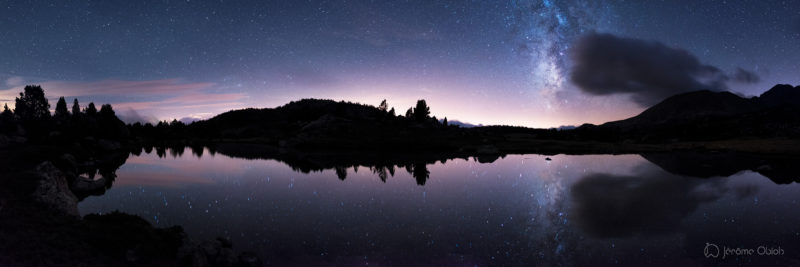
(91, 110)
(383, 106)
(421, 111)
(31, 105)
(6, 111)
(76, 109)
(61, 108)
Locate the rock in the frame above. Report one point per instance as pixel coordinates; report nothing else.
(86, 185)
(88, 166)
(487, 149)
(53, 190)
(107, 145)
(548, 159)
(68, 163)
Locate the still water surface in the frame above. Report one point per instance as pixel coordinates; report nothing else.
(517, 210)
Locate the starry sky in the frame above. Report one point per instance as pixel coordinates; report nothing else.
(537, 63)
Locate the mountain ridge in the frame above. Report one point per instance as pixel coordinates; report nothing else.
(715, 115)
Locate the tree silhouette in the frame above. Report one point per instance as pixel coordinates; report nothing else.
(31, 105)
(383, 106)
(381, 171)
(106, 111)
(421, 111)
(91, 110)
(7, 120)
(61, 108)
(391, 112)
(6, 112)
(444, 122)
(421, 173)
(410, 113)
(76, 109)
(341, 172)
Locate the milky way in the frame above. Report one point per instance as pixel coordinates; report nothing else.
(545, 30)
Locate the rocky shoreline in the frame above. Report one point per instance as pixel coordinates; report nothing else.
(41, 226)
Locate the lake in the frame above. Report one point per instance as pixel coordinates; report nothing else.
(514, 210)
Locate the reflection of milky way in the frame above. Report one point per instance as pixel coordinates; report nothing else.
(544, 31)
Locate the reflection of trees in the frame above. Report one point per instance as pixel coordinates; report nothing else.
(381, 165)
(176, 151)
(197, 150)
(161, 151)
(383, 172)
(341, 172)
(421, 173)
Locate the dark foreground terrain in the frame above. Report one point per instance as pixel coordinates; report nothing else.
(40, 224)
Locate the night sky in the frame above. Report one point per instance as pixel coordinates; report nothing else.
(532, 63)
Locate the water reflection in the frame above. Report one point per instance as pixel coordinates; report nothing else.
(780, 169)
(83, 177)
(649, 202)
(352, 209)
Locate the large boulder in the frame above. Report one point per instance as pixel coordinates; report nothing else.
(53, 190)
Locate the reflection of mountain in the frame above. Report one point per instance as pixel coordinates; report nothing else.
(780, 169)
(706, 115)
(649, 202)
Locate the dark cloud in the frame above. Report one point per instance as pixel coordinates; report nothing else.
(650, 71)
(744, 76)
(650, 202)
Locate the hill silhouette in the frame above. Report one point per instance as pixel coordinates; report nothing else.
(317, 124)
(706, 115)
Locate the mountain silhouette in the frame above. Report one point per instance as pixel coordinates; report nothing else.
(781, 94)
(706, 115)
